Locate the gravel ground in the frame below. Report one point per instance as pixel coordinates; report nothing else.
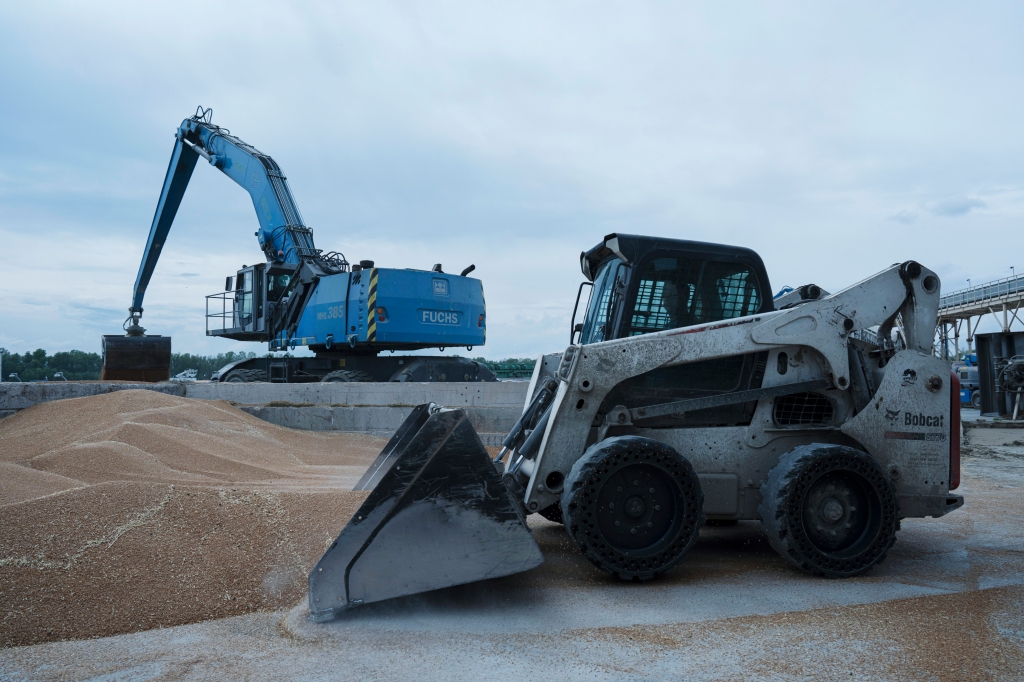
(948, 604)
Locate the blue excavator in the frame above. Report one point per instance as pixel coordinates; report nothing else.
(347, 314)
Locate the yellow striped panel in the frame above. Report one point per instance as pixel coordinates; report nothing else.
(371, 308)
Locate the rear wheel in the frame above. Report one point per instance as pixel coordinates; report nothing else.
(244, 376)
(633, 506)
(830, 510)
(346, 375)
(976, 400)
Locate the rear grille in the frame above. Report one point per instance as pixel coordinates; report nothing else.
(803, 409)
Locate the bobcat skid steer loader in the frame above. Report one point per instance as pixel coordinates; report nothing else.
(687, 394)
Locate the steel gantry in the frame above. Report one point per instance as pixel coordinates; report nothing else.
(1001, 298)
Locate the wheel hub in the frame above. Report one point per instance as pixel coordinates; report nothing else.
(835, 512)
(640, 507)
(635, 507)
(832, 509)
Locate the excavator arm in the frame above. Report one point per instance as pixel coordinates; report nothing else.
(282, 235)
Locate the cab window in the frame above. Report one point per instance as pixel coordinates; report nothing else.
(679, 292)
(604, 297)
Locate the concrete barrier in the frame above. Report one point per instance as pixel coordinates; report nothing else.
(376, 408)
(16, 395)
(491, 423)
(491, 394)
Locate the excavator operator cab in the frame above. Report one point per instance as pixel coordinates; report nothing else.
(647, 284)
(240, 311)
(248, 301)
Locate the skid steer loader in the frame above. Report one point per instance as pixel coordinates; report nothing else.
(687, 394)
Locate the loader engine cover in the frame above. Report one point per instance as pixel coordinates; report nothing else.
(438, 515)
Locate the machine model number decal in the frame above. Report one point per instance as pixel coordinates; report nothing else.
(449, 317)
(333, 312)
(908, 435)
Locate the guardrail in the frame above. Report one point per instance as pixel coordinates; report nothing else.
(220, 318)
(980, 293)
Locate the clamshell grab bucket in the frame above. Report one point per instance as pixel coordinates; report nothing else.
(136, 358)
(438, 515)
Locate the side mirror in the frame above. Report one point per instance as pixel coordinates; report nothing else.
(578, 326)
(227, 283)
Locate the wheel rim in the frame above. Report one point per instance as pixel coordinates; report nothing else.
(832, 492)
(638, 508)
(841, 514)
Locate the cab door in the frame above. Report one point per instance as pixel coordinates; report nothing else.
(244, 299)
(667, 290)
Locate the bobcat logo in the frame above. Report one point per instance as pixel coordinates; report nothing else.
(892, 415)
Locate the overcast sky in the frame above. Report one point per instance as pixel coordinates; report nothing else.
(832, 139)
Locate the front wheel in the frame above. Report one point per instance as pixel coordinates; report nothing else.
(830, 510)
(633, 506)
(976, 400)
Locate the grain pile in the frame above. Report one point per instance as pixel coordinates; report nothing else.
(134, 510)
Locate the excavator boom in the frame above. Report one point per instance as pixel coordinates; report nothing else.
(283, 237)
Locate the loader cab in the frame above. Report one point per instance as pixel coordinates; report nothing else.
(648, 284)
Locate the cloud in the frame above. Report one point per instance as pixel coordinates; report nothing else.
(954, 208)
(510, 136)
(905, 216)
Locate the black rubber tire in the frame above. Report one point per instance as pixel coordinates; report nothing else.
(976, 400)
(669, 496)
(245, 376)
(346, 375)
(819, 495)
(552, 512)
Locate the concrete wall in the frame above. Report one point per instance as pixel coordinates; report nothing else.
(377, 408)
(17, 396)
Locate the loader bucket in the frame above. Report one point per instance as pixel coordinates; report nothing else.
(438, 515)
(136, 358)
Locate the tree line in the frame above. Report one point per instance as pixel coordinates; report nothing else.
(77, 365)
